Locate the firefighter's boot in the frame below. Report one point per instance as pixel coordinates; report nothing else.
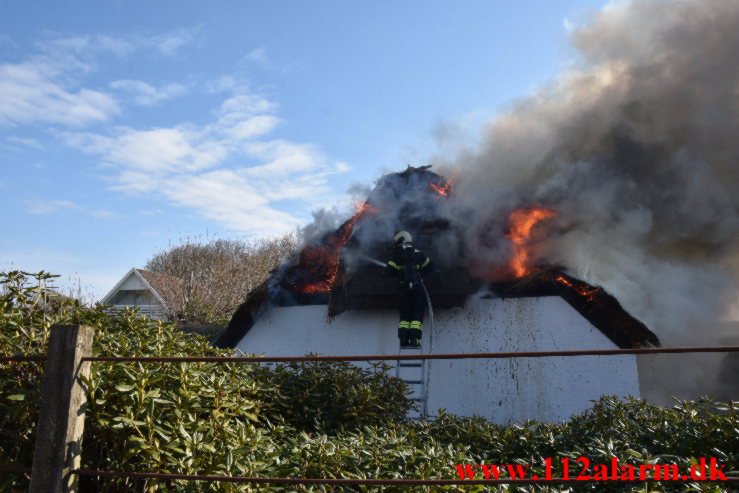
(415, 333)
(403, 333)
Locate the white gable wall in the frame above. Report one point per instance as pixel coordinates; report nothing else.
(506, 390)
(133, 282)
(502, 390)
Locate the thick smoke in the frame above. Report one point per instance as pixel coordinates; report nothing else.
(327, 220)
(637, 150)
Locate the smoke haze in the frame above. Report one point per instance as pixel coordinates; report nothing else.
(636, 148)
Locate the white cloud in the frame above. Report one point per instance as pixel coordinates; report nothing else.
(136, 181)
(150, 212)
(35, 91)
(253, 127)
(167, 44)
(146, 94)
(226, 170)
(283, 158)
(158, 151)
(49, 207)
(243, 106)
(258, 56)
(79, 45)
(226, 83)
(45, 88)
(230, 199)
(26, 142)
(117, 46)
(43, 208)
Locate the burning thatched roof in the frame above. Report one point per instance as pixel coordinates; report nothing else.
(330, 271)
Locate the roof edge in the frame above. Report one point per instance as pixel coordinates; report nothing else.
(104, 300)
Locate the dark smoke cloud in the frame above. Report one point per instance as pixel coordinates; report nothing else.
(637, 149)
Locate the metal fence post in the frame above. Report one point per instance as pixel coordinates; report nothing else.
(61, 411)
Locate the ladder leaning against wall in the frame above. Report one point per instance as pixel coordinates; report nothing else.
(413, 372)
(417, 372)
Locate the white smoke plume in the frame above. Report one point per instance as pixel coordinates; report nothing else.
(636, 148)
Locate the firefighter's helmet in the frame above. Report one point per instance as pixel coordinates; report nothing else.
(402, 237)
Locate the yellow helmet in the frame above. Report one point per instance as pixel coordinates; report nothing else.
(402, 237)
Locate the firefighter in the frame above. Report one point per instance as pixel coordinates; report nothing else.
(408, 265)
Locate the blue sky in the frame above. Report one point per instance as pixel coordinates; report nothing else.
(128, 125)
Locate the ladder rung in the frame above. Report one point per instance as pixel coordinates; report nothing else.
(413, 382)
(411, 365)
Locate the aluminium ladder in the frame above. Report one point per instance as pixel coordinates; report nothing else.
(413, 372)
(417, 372)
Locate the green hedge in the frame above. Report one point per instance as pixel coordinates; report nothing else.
(304, 419)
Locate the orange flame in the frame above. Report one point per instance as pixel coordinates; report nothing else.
(442, 186)
(521, 223)
(582, 290)
(323, 260)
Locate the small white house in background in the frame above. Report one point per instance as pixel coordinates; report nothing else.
(146, 291)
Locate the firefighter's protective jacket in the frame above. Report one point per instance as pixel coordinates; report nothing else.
(408, 264)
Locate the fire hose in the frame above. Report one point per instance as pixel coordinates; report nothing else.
(431, 312)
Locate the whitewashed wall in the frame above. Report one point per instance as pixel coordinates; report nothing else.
(502, 390)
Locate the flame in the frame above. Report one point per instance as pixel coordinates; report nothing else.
(322, 261)
(521, 223)
(581, 289)
(442, 186)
